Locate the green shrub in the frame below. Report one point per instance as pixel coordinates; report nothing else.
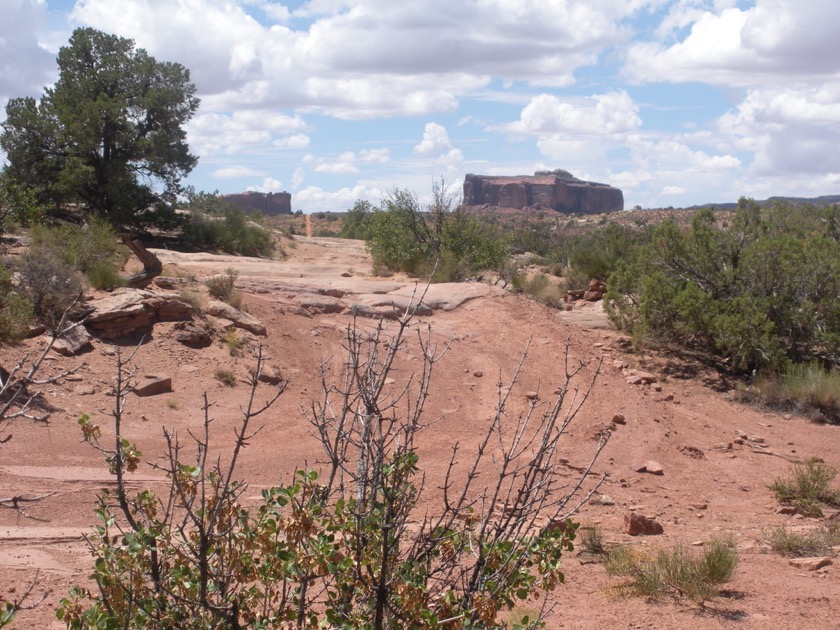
(759, 293)
(677, 571)
(538, 286)
(592, 540)
(234, 343)
(18, 204)
(440, 243)
(225, 377)
(16, 313)
(808, 488)
(103, 276)
(357, 219)
(215, 224)
(222, 287)
(50, 284)
(818, 541)
(193, 298)
(805, 386)
(84, 247)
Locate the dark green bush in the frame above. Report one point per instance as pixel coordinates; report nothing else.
(357, 219)
(760, 294)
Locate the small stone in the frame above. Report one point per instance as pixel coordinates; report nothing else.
(478, 373)
(651, 467)
(619, 419)
(810, 564)
(532, 395)
(604, 499)
(268, 374)
(84, 390)
(73, 377)
(73, 342)
(789, 510)
(152, 385)
(700, 506)
(638, 525)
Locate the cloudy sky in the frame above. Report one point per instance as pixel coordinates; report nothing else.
(676, 102)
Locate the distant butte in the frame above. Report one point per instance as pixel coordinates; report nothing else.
(270, 203)
(556, 190)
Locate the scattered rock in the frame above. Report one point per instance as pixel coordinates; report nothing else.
(810, 564)
(84, 390)
(478, 373)
(638, 525)
(240, 319)
(128, 311)
(269, 374)
(170, 283)
(619, 419)
(192, 335)
(651, 467)
(73, 342)
(603, 499)
(788, 510)
(532, 395)
(152, 385)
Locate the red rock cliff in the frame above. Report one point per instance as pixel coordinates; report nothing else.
(558, 190)
(271, 203)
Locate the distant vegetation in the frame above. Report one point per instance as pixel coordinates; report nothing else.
(440, 242)
(214, 224)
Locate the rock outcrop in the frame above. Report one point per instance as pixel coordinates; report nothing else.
(270, 203)
(556, 190)
(129, 311)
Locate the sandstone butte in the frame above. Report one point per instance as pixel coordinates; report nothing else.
(266, 203)
(556, 190)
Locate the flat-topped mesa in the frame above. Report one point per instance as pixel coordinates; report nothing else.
(558, 190)
(270, 203)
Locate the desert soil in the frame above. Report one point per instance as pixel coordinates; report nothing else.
(686, 421)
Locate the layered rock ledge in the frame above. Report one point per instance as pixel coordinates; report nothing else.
(556, 190)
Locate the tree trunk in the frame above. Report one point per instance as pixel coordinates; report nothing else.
(152, 266)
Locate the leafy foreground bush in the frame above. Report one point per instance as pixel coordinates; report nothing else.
(808, 487)
(676, 571)
(344, 546)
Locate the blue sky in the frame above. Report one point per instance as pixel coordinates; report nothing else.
(676, 102)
